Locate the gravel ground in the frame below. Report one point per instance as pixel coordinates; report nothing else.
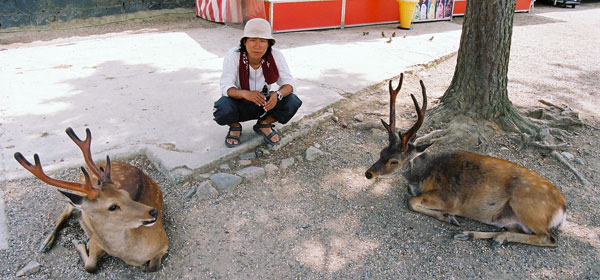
(322, 220)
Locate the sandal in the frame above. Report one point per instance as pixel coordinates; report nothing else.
(267, 138)
(229, 136)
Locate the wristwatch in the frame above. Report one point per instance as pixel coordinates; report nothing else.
(279, 95)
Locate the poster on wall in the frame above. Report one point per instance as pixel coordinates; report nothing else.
(429, 10)
(230, 11)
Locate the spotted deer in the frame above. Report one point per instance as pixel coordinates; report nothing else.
(121, 210)
(482, 188)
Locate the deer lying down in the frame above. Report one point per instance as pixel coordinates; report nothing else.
(121, 210)
(478, 187)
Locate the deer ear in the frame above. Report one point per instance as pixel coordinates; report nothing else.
(75, 200)
(421, 148)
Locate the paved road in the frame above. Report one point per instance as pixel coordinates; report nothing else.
(154, 92)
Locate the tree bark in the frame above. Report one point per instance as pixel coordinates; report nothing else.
(478, 95)
(479, 85)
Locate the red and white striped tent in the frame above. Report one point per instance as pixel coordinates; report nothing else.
(229, 10)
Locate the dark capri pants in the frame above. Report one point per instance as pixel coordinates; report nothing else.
(230, 110)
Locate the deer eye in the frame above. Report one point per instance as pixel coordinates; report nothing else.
(394, 162)
(113, 207)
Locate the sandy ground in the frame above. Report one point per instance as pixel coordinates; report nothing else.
(322, 220)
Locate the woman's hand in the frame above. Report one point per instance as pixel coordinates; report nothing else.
(255, 97)
(271, 102)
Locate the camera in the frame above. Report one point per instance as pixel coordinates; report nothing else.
(265, 91)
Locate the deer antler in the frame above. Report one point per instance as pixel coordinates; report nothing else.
(85, 147)
(420, 117)
(39, 173)
(391, 127)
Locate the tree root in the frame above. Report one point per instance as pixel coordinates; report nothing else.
(525, 140)
(545, 129)
(562, 160)
(549, 104)
(554, 115)
(432, 137)
(368, 125)
(548, 129)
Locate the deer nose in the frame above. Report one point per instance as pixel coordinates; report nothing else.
(153, 213)
(368, 175)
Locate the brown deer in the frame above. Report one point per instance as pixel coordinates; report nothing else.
(121, 210)
(482, 188)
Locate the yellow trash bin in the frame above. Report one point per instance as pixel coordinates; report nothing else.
(407, 9)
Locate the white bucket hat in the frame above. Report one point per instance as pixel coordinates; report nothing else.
(258, 28)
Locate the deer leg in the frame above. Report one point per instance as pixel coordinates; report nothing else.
(80, 247)
(90, 260)
(428, 203)
(154, 264)
(49, 241)
(501, 238)
(545, 240)
(95, 252)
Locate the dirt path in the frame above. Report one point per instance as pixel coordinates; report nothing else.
(322, 219)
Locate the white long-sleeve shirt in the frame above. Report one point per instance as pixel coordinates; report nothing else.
(230, 77)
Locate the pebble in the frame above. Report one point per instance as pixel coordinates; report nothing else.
(285, 163)
(304, 226)
(261, 152)
(271, 168)
(191, 192)
(313, 153)
(251, 172)
(224, 166)
(181, 172)
(206, 190)
(224, 181)
(204, 175)
(359, 117)
(244, 162)
(248, 156)
(568, 155)
(30, 268)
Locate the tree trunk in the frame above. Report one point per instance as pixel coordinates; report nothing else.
(478, 98)
(479, 86)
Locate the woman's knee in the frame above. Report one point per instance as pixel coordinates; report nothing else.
(293, 101)
(289, 107)
(224, 111)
